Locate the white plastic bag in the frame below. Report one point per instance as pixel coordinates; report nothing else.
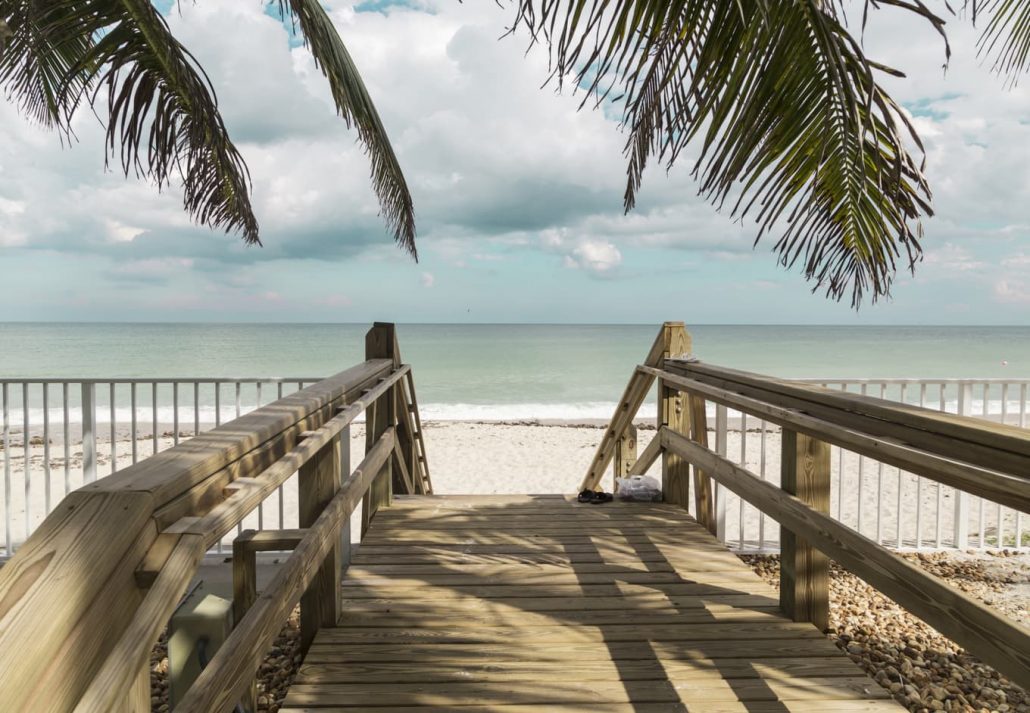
(638, 488)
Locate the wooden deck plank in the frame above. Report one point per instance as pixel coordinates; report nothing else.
(718, 689)
(603, 670)
(820, 706)
(526, 603)
(435, 654)
(461, 619)
(642, 602)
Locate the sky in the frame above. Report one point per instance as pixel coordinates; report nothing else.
(518, 193)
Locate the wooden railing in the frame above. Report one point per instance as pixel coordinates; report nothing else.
(986, 459)
(83, 602)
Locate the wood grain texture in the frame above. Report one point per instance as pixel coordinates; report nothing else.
(641, 613)
(625, 453)
(793, 706)
(318, 481)
(120, 672)
(995, 639)
(704, 491)
(380, 343)
(231, 670)
(843, 428)
(674, 413)
(804, 570)
(633, 396)
(53, 634)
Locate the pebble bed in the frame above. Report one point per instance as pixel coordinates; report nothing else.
(922, 669)
(274, 677)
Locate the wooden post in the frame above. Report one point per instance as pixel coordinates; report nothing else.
(674, 414)
(625, 453)
(244, 580)
(244, 592)
(380, 343)
(704, 497)
(721, 447)
(804, 571)
(319, 480)
(138, 700)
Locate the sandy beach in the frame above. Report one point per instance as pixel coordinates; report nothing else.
(528, 457)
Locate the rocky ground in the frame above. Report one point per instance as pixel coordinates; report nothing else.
(921, 668)
(274, 677)
(924, 670)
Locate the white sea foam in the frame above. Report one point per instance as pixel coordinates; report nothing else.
(205, 416)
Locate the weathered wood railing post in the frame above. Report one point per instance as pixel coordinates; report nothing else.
(318, 481)
(674, 414)
(380, 343)
(804, 570)
(625, 453)
(704, 495)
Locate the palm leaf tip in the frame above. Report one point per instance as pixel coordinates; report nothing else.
(355, 106)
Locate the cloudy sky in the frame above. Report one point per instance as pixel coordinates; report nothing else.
(518, 194)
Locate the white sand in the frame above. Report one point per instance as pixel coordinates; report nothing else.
(522, 458)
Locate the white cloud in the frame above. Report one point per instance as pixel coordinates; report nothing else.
(497, 166)
(596, 256)
(118, 232)
(951, 258)
(1019, 260)
(428, 280)
(1012, 291)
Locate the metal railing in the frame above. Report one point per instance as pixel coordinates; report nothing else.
(82, 429)
(886, 504)
(89, 593)
(78, 430)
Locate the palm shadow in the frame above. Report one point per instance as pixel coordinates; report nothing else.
(640, 617)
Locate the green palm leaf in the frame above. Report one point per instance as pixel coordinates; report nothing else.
(356, 107)
(162, 115)
(162, 118)
(782, 110)
(38, 48)
(1007, 34)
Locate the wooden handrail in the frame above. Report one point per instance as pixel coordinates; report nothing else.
(993, 446)
(230, 672)
(672, 340)
(996, 639)
(1010, 489)
(987, 459)
(83, 600)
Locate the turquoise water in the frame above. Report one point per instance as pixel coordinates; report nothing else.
(505, 371)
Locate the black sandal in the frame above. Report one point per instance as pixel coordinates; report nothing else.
(586, 496)
(599, 498)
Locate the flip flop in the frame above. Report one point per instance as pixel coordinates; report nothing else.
(599, 498)
(587, 496)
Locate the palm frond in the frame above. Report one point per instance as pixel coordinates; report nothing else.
(1006, 36)
(38, 48)
(782, 110)
(355, 106)
(162, 115)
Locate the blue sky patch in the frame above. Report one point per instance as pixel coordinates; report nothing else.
(926, 108)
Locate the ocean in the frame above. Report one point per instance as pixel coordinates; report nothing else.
(506, 371)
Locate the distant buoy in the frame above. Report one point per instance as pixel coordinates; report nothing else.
(1004, 362)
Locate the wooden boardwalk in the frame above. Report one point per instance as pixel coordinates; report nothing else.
(538, 603)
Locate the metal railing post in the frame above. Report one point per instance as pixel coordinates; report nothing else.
(89, 431)
(961, 524)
